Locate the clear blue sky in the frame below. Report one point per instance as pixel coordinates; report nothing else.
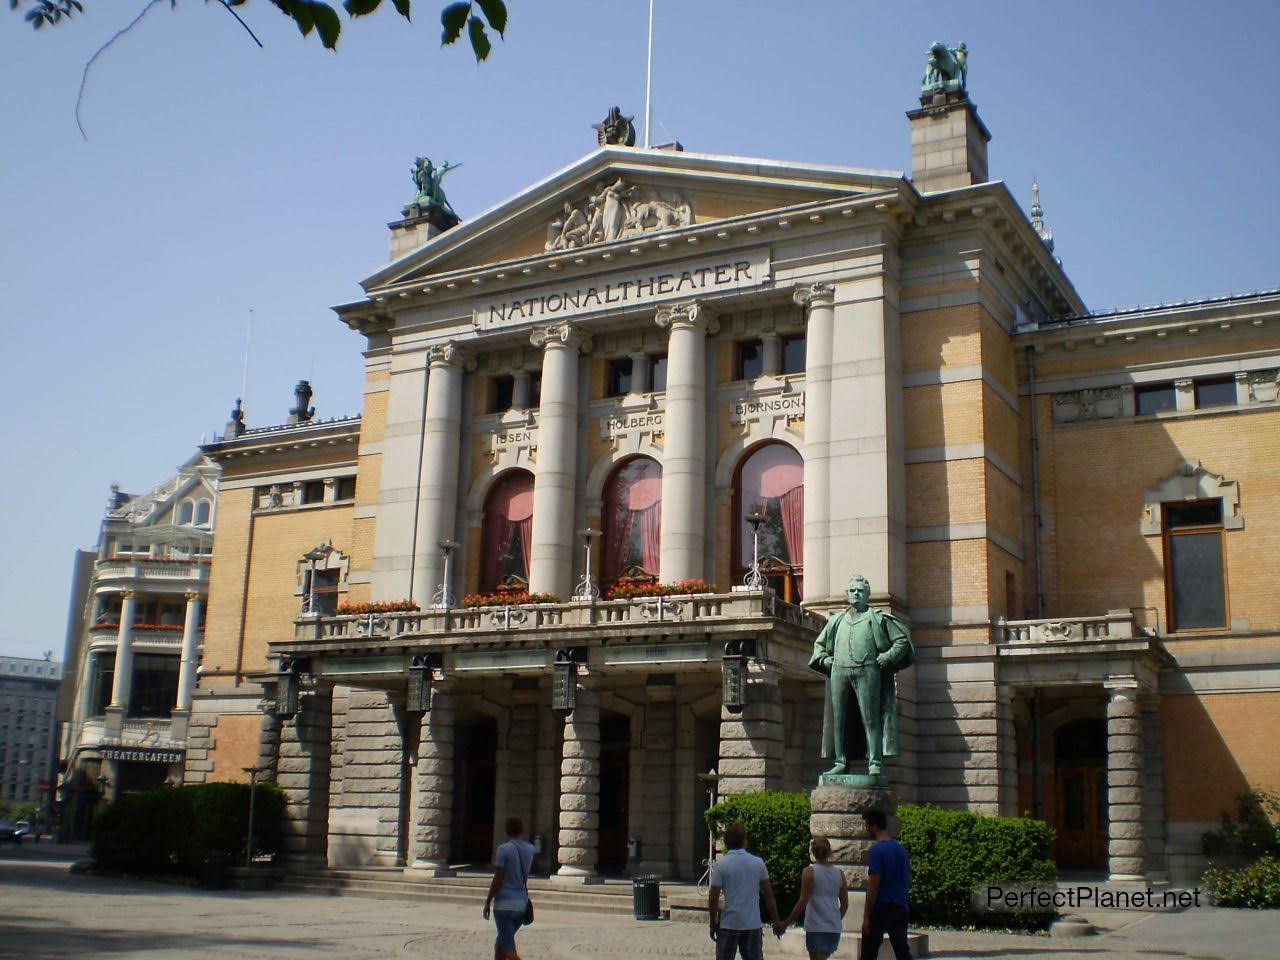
(218, 177)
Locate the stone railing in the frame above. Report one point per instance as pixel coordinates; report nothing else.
(706, 609)
(145, 730)
(167, 639)
(161, 569)
(1114, 626)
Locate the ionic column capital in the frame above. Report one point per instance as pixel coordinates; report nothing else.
(192, 596)
(451, 355)
(814, 295)
(128, 594)
(689, 313)
(569, 335)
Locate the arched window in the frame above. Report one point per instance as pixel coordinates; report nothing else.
(508, 523)
(202, 513)
(771, 480)
(184, 511)
(632, 519)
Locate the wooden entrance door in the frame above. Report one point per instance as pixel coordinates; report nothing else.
(1082, 816)
(615, 792)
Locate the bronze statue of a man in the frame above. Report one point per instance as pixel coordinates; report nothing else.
(860, 650)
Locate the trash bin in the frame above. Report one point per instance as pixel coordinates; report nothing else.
(212, 873)
(646, 899)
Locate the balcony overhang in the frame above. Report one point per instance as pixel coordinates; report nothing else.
(1079, 651)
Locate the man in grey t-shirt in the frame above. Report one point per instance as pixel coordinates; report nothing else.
(744, 879)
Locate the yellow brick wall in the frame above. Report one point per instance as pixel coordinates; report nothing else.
(235, 747)
(1004, 503)
(999, 565)
(1178, 346)
(1213, 751)
(226, 581)
(946, 491)
(279, 540)
(947, 573)
(943, 414)
(1098, 475)
(1001, 427)
(998, 356)
(373, 421)
(948, 337)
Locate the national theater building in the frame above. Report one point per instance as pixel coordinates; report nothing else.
(693, 367)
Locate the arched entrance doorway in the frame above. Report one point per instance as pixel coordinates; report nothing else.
(615, 791)
(1080, 777)
(475, 778)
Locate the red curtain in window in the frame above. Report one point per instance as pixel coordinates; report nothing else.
(633, 506)
(784, 482)
(508, 522)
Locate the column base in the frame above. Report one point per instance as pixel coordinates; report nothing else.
(571, 874)
(179, 724)
(427, 869)
(113, 721)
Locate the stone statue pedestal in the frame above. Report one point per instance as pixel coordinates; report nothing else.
(838, 805)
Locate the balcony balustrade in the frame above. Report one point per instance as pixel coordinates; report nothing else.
(160, 568)
(639, 612)
(143, 638)
(1114, 626)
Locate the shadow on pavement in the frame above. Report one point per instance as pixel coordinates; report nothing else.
(26, 937)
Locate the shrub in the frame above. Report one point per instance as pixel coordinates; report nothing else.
(1253, 833)
(1256, 885)
(777, 831)
(170, 829)
(954, 853)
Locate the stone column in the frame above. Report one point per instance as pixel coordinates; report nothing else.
(268, 740)
(579, 833)
(751, 739)
(520, 390)
(1153, 787)
(432, 817)
(303, 775)
(684, 445)
(438, 495)
(641, 380)
(1126, 844)
(819, 300)
(122, 681)
(656, 818)
(771, 354)
(554, 483)
(190, 641)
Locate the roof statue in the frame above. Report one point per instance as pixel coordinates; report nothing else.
(615, 130)
(617, 211)
(235, 426)
(946, 69)
(301, 412)
(1037, 216)
(431, 201)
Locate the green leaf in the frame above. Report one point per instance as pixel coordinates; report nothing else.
(495, 11)
(327, 25)
(479, 39)
(361, 8)
(453, 18)
(402, 8)
(304, 16)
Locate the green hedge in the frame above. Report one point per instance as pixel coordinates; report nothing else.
(1255, 886)
(170, 829)
(777, 832)
(955, 853)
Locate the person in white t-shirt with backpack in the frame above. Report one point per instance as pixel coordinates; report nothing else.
(824, 900)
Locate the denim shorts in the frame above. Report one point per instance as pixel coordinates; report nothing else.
(822, 942)
(508, 922)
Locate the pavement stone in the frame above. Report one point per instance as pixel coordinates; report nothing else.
(47, 912)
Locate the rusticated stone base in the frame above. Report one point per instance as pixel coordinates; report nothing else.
(837, 815)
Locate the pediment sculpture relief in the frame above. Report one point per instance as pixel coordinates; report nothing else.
(617, 211)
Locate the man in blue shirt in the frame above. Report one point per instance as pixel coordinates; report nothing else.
(888, 877)
(509, 892)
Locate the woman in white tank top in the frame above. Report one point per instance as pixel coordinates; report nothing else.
(824, 899)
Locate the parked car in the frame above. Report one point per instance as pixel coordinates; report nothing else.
(9, 831)
(25, 829)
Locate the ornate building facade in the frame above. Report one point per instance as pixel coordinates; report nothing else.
(752, 378)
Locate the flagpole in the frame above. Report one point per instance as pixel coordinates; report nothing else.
(648, 81)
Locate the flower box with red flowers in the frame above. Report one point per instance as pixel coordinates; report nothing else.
(378, 606)
(632, 590)
(506, 598)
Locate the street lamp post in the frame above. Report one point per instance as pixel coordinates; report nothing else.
(253, 794)
(587, 589)
(755, 579)
(444, 599)
(709, 779)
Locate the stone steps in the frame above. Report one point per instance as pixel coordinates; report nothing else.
(613, 897)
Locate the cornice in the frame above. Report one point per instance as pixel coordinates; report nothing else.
(286, 439)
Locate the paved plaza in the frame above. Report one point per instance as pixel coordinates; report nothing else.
(46, 912)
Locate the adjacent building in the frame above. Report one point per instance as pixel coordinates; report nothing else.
(753, 378)
(134, 643)
(28, 744)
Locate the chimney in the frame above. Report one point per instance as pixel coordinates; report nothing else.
(948, 139)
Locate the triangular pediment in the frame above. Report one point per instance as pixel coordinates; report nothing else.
(621, 194)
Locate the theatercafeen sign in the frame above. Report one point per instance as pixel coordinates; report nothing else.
(145, 754)
(630, 289)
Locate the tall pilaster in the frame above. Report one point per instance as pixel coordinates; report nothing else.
(122, 682)
(190, 643)
(1126, 833)
(579, 834)
(432, 818)
(819, 302)
(554, 482)
(751, 738)
(303, 775)
(438, 495)
(683, 550)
